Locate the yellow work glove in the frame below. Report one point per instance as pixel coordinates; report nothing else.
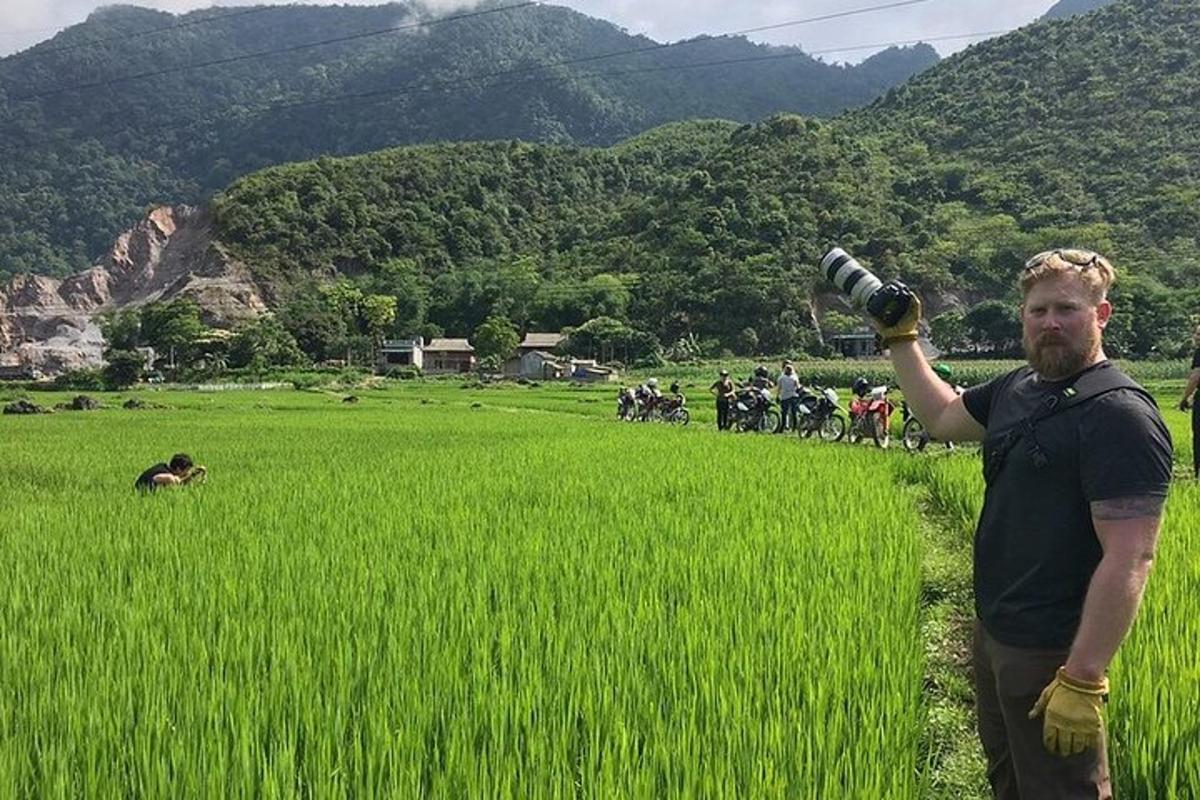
(1074, 719)
(906, 329)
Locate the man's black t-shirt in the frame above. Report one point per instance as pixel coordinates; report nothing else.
(1035, 545)
(1196, 359)
(145, 481)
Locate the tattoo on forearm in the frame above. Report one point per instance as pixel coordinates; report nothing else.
(1136, 507)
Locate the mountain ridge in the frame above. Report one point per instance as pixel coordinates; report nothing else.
(88, 164)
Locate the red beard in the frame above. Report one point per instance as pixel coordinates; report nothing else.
(1055, 357)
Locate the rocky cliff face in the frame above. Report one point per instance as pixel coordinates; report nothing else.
(52, 326)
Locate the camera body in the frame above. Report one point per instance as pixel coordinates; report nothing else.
(885, 302)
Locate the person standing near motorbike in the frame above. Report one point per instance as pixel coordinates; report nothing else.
(722, 389)
(1189, 401)
(1077, 463)
(789, 398)
(761, 379)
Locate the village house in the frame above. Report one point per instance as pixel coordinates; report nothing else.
(446, 356)
(534, 358)
(438, 357)
(534, 341)
(401, 353)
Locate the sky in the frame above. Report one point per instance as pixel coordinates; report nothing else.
(26, 22)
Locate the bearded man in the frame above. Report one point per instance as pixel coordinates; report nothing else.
(1077, 462)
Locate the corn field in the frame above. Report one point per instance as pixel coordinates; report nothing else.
(437, 593)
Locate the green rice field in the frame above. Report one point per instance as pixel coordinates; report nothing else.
(455, 592)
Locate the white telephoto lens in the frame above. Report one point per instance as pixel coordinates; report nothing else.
(851, 277)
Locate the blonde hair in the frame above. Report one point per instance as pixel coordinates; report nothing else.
(1093, 268)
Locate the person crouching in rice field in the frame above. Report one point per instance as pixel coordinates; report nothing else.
(178, 471)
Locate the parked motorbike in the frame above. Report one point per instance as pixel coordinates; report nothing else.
(913, 434)
(870, 417)
(754, 410)
(821, 414)
(627, 405)
(673, 409)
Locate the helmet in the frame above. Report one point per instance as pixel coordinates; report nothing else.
(943, 370)
(675, 387)
(760, 371)
(860, 385)
(652, 383)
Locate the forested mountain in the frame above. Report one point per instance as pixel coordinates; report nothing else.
(1083, 132)
(1070, 8)
(83, 152)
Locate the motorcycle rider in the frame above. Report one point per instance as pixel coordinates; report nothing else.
(789, 397)
(650, 396)
(723, 389)
(761, 379)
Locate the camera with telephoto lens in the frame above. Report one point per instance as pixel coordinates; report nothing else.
(886, 302)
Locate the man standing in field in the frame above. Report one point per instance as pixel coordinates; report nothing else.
(1077, 462)
(1189, 401)
(722, 389)
(789, 398)
(179, 471)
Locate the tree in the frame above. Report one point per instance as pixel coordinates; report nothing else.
(172, 328)
(377, 313)
(993, 325)
(265, 343)
(949, 331)
(122, 330)
(122, 370)
(495, 338)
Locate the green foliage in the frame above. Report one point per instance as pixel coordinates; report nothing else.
(994, 326)
(496, 339)
(89, 162)
(710, 230)
(609, 340)
(81, 380)
(172, 328)
(263, 344)
(122, 370)
(949, 331)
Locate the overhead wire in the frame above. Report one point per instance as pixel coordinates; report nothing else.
(78, 87)
(422, 87)
(439, 20)
(35, 52)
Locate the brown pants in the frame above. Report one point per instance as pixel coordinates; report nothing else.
(1008, 681)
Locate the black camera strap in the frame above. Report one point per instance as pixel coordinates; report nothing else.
(1090, 385)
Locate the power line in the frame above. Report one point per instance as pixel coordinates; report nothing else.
(264, 53)
(293, 48)
(139, 34)
(416, 87)
(412, 89)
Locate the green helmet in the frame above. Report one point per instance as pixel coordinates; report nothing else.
(944, 371)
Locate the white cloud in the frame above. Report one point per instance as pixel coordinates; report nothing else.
(22, 21)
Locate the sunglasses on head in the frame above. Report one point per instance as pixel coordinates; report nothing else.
(1080, 259)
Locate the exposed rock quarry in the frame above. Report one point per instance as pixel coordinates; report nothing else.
(52, 325)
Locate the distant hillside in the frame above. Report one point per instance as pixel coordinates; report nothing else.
(1070, 8)
(1077, 133)
(77, 167)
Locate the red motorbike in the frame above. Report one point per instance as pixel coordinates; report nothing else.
(870, 416)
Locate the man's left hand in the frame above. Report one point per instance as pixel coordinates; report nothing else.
(1074, 720)
(1185, 405)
